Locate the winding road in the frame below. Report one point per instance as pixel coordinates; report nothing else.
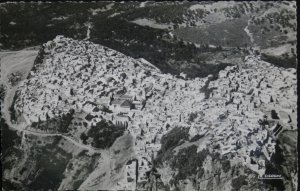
(11, 62)
(22, 61)
(87, 147)
(246, 29)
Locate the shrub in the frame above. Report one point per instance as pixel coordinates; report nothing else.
(226, 165)
(274, 115)
(238, 182)
(83, 137)
(192, 117)
(89, 117)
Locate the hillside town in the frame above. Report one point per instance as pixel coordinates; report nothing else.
(241, 112)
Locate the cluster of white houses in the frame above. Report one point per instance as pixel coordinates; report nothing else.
(83, 76)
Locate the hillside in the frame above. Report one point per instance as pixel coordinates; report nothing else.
(141, 128)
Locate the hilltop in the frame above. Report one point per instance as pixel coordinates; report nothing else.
(143, 122)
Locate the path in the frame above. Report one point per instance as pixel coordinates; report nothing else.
(249, 33)
(88, 32)
(87, 147)
(22, 61)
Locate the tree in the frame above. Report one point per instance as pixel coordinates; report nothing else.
(271, 99)
(142, 132)
(123, 75)
(83, 137)
(71, 92)
(274, 115)
(192, 117)
(293, 51)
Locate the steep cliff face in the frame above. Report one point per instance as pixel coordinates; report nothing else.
(218, 173)
(182, 167)
(218, 176)
(286, 161)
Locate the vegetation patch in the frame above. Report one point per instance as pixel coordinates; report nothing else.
(169, 141)
(238, 182)
(59, 124)
(226, 165)
(103, 134)
(188, 162)
(227, 34)
(281, 61)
